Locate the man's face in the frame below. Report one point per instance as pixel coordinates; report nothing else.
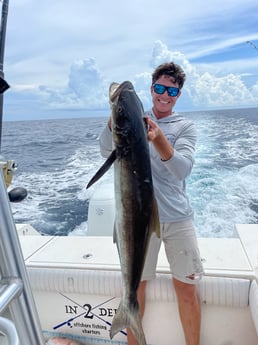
(163, 103)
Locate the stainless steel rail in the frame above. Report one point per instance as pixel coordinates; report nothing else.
(9, 329)
(15, 291)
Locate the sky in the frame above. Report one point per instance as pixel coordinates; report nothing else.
(61, 56)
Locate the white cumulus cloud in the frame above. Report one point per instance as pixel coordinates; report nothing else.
(87, 88)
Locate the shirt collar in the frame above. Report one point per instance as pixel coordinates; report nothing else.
(168, 119)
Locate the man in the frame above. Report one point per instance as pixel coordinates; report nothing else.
(172, 145)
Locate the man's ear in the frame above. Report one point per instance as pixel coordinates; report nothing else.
(179, 93)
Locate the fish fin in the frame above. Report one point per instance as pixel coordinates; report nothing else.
(115, 240)
(114, 235)
(128, 318)
(154, 220)
(103, 169)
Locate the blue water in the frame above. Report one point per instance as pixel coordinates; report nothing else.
(57, 158)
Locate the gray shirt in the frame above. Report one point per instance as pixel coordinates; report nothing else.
(168, 176)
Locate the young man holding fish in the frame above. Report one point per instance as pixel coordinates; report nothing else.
(172, 141)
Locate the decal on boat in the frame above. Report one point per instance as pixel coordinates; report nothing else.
(87, 319)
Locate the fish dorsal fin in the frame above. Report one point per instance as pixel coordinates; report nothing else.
(103, 169)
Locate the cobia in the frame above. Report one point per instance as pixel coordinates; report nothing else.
(136, 215)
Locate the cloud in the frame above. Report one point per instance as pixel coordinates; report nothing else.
(219, 44)
(86, 81)
(222, 92)
(87, 88)
(255, 90)
(206, 89)
(65, 59)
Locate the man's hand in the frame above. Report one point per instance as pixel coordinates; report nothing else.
(153, 130)
(157, 137)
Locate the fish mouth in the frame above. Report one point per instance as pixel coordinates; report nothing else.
(116, 88)
(113, 93)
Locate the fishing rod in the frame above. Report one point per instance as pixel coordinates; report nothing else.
(19, 193)
(252, 44)
(3, 84)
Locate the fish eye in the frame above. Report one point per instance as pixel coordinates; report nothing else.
(120, 109)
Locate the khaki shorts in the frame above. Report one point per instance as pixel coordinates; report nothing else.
(181, 249)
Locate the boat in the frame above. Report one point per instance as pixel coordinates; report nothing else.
(76, 284)
(69, 287)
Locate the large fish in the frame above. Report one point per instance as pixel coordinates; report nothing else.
(136, 215)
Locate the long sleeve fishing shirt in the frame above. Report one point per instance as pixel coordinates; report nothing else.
(168, 176)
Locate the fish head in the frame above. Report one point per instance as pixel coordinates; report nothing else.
(127, 112)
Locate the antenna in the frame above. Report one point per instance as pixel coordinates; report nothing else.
(252, 44)
(3, 84)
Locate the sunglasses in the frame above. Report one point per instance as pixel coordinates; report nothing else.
(160, 89)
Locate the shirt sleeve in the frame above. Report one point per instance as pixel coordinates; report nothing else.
(105, 142)
(181, 163)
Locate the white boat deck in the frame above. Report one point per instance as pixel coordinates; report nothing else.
(231, 257)
(71, 276)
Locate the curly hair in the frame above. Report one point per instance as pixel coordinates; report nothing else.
(172, 71)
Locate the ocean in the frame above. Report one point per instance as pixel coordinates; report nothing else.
(57, 158)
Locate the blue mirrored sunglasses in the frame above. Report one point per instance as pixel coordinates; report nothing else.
(160, 89)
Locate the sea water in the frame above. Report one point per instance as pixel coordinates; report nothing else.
(57, 158)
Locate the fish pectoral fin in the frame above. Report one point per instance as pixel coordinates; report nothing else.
(103, 169)
(128, 317)
(154, 220)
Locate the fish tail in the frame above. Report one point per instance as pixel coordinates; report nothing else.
(128, 318)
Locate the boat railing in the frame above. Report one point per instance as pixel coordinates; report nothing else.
(8, 328)
(15, 291)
